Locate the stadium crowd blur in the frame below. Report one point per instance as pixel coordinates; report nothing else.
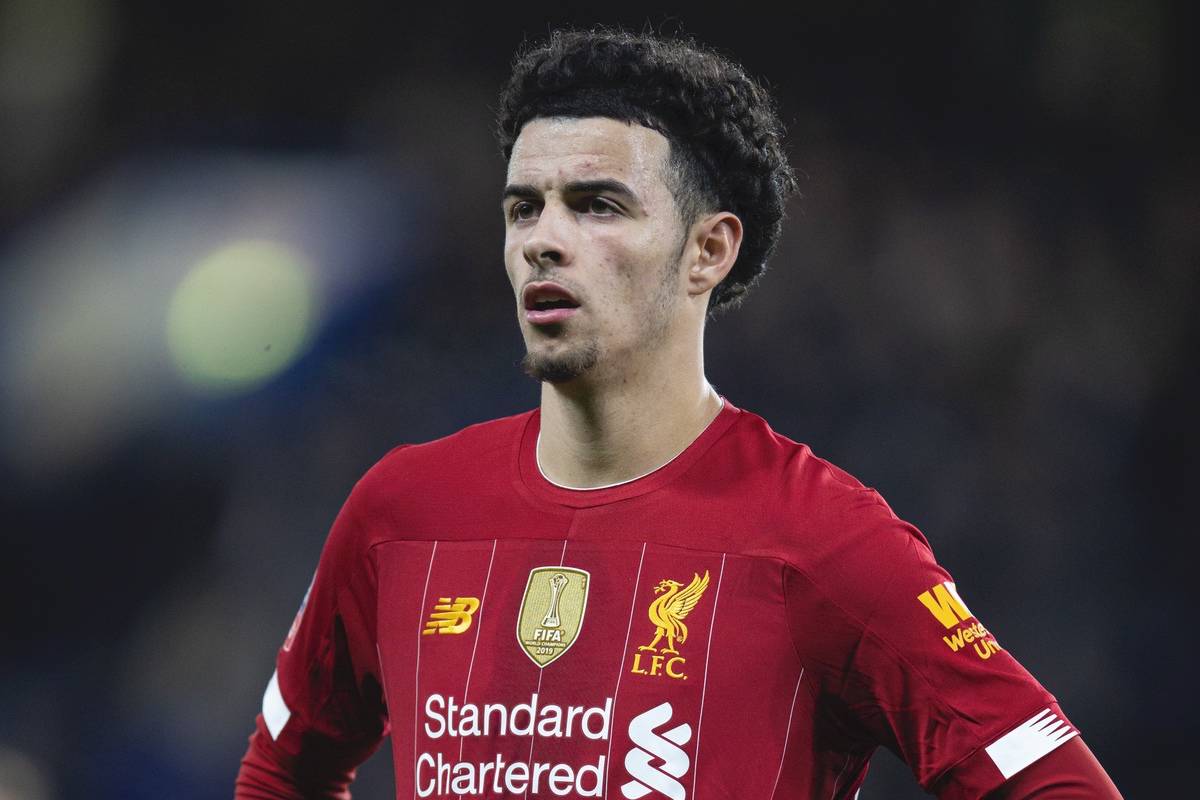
(246, 249)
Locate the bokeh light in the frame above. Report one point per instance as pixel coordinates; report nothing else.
(241, 316)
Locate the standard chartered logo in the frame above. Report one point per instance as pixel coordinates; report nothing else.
(648, 744)
(445, 717)
(577, 769)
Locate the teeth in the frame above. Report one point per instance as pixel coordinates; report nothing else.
(544, 299)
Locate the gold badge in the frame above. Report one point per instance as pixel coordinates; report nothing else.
(667, 611)
(552, 612)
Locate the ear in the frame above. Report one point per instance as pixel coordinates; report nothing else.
(717, 239)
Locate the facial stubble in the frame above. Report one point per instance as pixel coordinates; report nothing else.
(580, 358)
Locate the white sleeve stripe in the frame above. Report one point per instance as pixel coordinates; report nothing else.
(275, 712)
(1029, 741)
(1054, 728)
(1048, 724)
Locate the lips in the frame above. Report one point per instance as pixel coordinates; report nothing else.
(547, 303)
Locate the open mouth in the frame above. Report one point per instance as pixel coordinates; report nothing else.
(546, 303)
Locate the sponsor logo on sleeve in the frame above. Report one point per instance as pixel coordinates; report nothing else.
(552, 612)
(667, 612)
(650, 746)
(451, 616)
(942, 601)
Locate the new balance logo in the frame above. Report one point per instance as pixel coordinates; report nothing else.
(650, 745)
(945, 604)
(451, 617)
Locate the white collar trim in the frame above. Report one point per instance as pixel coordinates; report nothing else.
(537, 457)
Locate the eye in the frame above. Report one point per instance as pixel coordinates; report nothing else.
(522, 210)
(601, 206)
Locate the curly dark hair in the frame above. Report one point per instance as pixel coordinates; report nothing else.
(724, 132)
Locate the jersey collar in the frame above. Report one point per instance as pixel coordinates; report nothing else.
(534, 485)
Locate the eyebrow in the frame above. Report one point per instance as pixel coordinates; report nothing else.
(524, 191)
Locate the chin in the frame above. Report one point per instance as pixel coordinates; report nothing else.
(561, 367)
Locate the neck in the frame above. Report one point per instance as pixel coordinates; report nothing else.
(599, 432)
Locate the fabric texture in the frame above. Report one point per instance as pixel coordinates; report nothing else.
(746, 621)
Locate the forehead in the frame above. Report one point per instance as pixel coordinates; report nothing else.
(550, 151)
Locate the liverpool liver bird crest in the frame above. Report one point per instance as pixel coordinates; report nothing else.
(668, 611)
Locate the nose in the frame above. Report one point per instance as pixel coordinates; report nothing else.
(548, 243)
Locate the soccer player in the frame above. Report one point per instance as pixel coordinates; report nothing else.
(639, 589)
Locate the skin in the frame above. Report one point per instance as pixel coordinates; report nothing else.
(629, 391)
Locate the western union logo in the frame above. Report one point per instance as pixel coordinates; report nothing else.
(451, 617)
(945, 604)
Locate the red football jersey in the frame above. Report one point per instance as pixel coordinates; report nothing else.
(747, 621)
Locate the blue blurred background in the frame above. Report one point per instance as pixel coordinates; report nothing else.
(984, 306)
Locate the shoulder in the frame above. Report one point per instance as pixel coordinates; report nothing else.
(470, 450)
(460, 449)
(817, 517)
(479, 456)
(802, 482)
(845, 552)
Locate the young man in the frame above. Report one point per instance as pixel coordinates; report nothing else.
(639, 590)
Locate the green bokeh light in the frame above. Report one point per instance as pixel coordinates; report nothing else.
(240, 316)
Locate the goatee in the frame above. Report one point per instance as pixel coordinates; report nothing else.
(561, 367)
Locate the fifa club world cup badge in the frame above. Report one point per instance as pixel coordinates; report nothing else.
(552, 612)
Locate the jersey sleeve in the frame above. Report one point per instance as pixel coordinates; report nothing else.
(1070, 772)
(902, 661)
(323, 712)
